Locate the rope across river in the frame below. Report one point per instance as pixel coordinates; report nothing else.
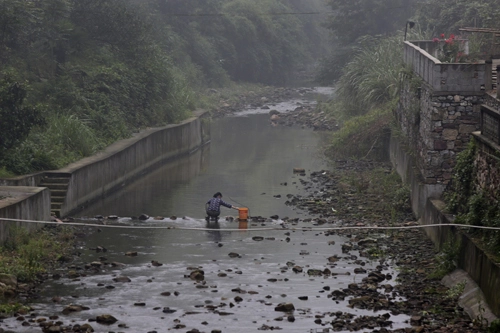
(281, 227)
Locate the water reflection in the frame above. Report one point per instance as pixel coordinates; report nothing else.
(214, 235)
(247, 160)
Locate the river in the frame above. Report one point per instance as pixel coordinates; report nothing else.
(251, 163)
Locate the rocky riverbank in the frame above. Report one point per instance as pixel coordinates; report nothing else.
(419, 292)
(302, 114)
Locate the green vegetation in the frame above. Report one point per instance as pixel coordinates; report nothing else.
(366, 65)
(446, 259)
(76, 76)
(380, 192)
(366, 94)
(462, 179)
(14, 307)
(472, 205)
(447, 16)
(456, 291)
(26, 257)
(494, 326)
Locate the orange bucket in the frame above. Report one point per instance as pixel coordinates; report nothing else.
(243, 214)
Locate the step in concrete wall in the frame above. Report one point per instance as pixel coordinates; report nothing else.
(97, 175)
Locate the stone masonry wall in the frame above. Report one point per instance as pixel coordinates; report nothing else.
(437, 126)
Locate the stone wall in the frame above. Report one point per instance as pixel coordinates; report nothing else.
(436, 127)
(439, 108)
(438, 118)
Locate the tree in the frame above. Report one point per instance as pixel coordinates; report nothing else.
(16, 118)
(447, 16)
(355, 18)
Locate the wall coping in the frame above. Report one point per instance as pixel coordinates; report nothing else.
(15, 194)
(125, 143)
(424, 52)
(452, 78)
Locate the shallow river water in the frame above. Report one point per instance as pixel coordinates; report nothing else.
(251, 163)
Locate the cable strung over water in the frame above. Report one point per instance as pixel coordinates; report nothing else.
(282, 226)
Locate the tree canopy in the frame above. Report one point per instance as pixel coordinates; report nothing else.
(107, 68)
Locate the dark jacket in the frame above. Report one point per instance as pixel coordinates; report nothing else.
(215, 203)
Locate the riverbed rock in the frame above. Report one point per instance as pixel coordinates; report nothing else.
(314, 272)
(346, 247)
(106, 319)
(53, 329)
(86, 328)
(333, 259)
(72, 274)
(143, 217)
(74, 308)
(367, 241)
(122, 278)
(117, 264)
(285, 307)
(197, 275)
(100, 249)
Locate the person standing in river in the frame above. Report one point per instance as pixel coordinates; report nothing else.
(213, 206)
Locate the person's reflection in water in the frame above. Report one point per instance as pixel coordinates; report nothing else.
(215, 235)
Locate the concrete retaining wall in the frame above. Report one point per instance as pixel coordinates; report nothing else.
(430, 210)
(22, 202)
(93, 177)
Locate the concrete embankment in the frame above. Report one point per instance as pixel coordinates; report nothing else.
(23, 202)
(90, 178)
(428, 207)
